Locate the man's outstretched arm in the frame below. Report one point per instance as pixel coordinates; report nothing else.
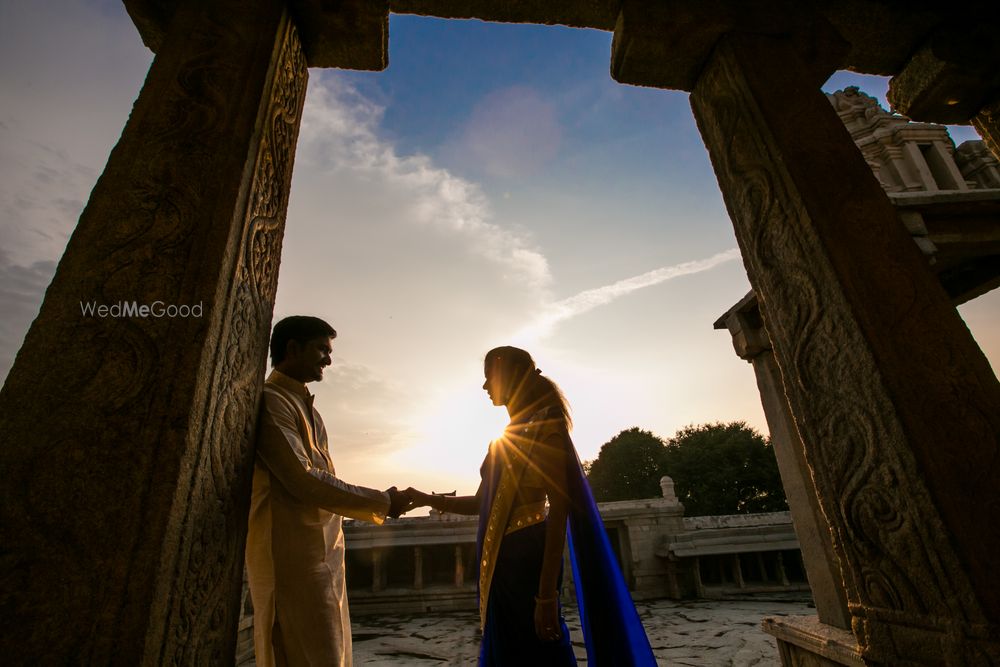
(281, 449)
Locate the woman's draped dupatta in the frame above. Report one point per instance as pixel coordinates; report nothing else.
(611, 627)
(612, 630)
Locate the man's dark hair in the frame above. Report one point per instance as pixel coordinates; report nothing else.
(301, 328)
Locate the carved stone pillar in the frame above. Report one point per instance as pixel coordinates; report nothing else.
(418, 568)
(127, 441)
(987, 123)
(459, 566)
(751, 343)
(897, 408)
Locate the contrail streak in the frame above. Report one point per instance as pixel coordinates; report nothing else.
(599, 296)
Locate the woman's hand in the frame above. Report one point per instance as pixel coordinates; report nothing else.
(419, 498)
(547, 621)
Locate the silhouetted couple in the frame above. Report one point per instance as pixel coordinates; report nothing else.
(532, 489)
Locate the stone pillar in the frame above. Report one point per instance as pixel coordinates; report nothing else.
(459, 566)
(897, 408)
(127, 441)
(751, 343)
(378, 570)
(699, 586)
(987, 124)
(782, 573)
(418, 568)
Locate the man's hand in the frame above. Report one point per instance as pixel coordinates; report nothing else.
(399, 503)
(420, 499)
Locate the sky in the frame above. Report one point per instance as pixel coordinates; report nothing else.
(493, 186)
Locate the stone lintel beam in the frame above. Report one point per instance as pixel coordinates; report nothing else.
(349, 34)
(954, 73)
(883, 33)
(666, 44)
(958, 232)
(599, 14)
(963, 228)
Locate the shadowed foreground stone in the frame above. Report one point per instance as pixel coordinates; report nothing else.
(127, 440)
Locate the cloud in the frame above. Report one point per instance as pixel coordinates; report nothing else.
(21, 292)
(42, 191)
(340, 133)
(589, 299)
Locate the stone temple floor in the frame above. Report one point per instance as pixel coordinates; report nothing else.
(689, 633)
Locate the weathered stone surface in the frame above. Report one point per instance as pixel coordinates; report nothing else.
(694, 634)
(745, 323)
(350, 34)
(954, 73)
(882, 33)
(963, 230)
(978, 165)
(666, 44)
(898, 410)
(127, 441)
(987, 124)
(805, 641)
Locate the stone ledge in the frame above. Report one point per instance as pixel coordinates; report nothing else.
(836, 645)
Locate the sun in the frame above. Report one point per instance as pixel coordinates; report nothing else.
(453, 430)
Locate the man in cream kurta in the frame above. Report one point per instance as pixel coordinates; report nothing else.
(295, 544)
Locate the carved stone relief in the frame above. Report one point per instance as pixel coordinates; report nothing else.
(211, 550)
(900, 572)
(128, 440)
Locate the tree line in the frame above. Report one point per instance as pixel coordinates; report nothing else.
(720, 468)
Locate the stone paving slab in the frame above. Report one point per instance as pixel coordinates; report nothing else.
(686, 633)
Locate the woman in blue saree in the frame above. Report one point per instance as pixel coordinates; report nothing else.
(520, 541)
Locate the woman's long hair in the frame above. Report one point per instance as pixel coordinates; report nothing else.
(530, 390)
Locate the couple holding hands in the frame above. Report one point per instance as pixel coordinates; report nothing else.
(533, 494)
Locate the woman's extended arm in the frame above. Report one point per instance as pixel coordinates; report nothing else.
(452, 504)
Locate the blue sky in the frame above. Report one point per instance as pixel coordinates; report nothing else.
(493, 185)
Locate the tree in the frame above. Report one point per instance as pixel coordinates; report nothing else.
(628, 466)
(724, 469)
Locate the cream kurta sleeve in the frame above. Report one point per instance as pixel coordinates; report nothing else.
(281, 448)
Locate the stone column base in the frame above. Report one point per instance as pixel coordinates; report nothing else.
(803, 641)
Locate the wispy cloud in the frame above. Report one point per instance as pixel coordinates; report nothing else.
(42, 191)
(589, 299)
(21, 291)
(340, 132)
